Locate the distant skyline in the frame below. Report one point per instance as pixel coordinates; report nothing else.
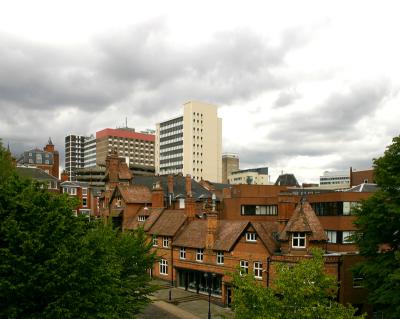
(302, 86)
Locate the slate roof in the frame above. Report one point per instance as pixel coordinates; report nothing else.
(75, 183)
(134, 193)
(198, 191)
(287, 180)
(35, 173)
(168, 223)
(193, 235)
(228, 232)
(304, 220)
(364, 188)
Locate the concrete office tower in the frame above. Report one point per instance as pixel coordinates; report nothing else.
(89, 152)
(230, 163)
(136, 148)
(191, 144)
(335, 180)
(74, 154)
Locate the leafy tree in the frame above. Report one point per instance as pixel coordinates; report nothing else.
(302, 290)
(378, 237)
(55, 265)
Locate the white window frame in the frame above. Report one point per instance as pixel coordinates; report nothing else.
(163, 267)
(257, 268)
(84, 191)
(332, 236)
(347, 234)
(200, 255)
(244, 267)
(84, 202)
(155, 241)
(72, 191)
(297, 237)
(165, 242)
(141, 218)
(182, 253)
(251, 237)
(220, 257)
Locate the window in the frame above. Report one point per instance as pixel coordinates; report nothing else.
(332, 238)
(220, 257)
(182, 253)
(298, 240)
(199, 254)
(155, 241)
(163, 267)
(65, 190)
(141, 218)
(84, 202)
(73, 191)
(358, 281)
(251, 237)
(181, 203)
(165, 242)
(84, 191)
(271, 210)
(347, 237)
(244, 267)
(258, 269)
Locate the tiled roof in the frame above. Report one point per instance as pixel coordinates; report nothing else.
(266, 231)
(168, 223)
(35, 173)
(152, 214)
(228, 232)
(194, 235)
(198, 191)
(304, 220)
(135, 193)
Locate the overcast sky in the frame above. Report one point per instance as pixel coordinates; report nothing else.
(302, 86)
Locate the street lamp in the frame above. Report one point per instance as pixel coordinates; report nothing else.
(209, 277)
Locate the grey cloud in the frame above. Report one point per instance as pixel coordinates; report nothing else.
(286, 97)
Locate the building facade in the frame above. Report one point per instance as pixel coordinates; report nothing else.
(89, 152)
(335, 180)
(230, 163)
(47, 159)
(256, 176)
(191, 144)
(74, 154)
(136, 148)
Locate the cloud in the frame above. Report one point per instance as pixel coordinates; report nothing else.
(286, 97)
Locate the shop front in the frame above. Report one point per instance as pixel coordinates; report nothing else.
(200, 282)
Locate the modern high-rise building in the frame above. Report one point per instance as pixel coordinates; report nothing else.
(136, 148)
(191, 144)
(74, 154)
(89, 152)
(230, 163)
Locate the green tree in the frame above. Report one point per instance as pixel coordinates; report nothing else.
(302, 290)
(378, 237)
(55, 265)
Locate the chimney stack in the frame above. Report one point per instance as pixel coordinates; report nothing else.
(212, 224)
(170, 182)
(188, 185)
(64, 176)
(157, 196)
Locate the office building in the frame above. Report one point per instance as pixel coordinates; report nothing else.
(191, 144)
(230, 163)
(256, 176)
(335, 180)
(137, 148)
(74, 154)
(89, 152)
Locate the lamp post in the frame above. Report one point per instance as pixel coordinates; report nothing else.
(209, 280)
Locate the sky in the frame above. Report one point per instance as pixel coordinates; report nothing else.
(302, 87)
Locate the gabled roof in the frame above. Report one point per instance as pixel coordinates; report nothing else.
(364, 188)
(35, 173)
(193, 235)
(304, 220)
(152, 214)
(133, 193)
(168, 223)
(266, 232)
(198, 191)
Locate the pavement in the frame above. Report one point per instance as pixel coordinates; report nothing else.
(183, 304)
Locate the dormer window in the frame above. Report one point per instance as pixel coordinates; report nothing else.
(251, 237)
(299, 240)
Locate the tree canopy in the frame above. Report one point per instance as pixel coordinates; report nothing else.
(56, 265)
(302, 290)
(378, 234)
